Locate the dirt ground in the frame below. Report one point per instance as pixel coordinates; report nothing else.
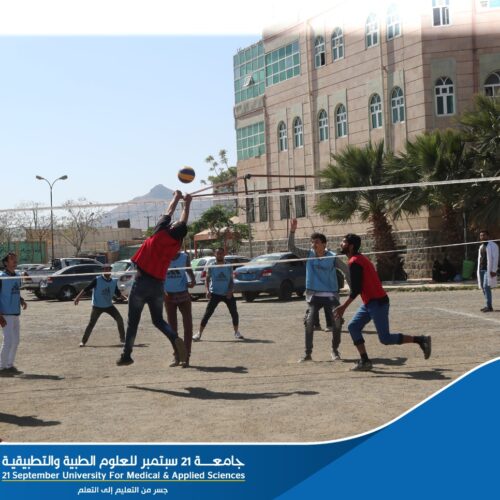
(235, 391)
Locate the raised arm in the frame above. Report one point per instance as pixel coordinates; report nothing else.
(299, 252)
(185, 208)
(173, 204)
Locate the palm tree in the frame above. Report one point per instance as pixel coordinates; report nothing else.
(440, 156)
(356, 167)
(481, 128)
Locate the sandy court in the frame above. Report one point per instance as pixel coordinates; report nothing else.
(235, 391)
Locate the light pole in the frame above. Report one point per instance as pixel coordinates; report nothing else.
(51, 185)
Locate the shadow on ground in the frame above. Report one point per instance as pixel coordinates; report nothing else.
(26, 421)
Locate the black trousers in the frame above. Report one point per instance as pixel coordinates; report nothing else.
(214, 301)
(94, 316)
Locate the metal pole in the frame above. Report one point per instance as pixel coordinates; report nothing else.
(245, 178)
(51, 225)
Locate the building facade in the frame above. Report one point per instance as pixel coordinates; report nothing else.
(350, 75)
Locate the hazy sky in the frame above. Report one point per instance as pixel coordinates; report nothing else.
(118, 115)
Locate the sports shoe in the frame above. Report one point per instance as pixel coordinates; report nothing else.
(175, 362)
(82, 344)
(328, 329)
(186, 363)
(362, 366)
(238, 336)
(317, 328)
(181, 349)
(487, 309)
(124, 360)
(197, 337)
(4, 372)
(14, 370)
(425, 345)
(306, 357)
(335, 355)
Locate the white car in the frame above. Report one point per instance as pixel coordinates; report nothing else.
(124, 270)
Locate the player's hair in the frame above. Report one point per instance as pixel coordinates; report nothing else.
(6, 258)
(318, 236)
(485, 231)
(354, 240)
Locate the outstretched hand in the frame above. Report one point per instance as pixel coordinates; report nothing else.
(188, 198)
(293, 225)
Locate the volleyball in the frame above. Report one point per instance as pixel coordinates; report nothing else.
(186, 174)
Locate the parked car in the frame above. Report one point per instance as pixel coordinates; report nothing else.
(124, 270)
(32, 279)
(66, 283)
(267, 274)
(200, 267)
(22, 268)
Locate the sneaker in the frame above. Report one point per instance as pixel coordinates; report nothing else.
(362, 366)
(14, 370)
(425, 345)
(4, 372)
(306, 357)
(181, 349)
(186, 363)
(335, 355)
(487, 309)
(317, 328)
(238, 336)
(82, 344)
(124, 360)
(175, 362)
(328, 329)
(197, 337)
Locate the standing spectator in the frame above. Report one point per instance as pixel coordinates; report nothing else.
(322, 289)
(487, 266)
(219, 285)
(10, 310)
(153, 259)
(177, 297)
(365, 281)
(103, 288)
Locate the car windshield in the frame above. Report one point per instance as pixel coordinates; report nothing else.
(263, 259)
(120, 266)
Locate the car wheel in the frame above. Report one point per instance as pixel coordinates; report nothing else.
(67, 293)
(286, 290)
(38, 294)
(299, 293)
(250, 296)
(194, 298)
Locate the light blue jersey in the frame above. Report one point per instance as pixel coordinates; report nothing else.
(102, 294)
(321, 274)
(10, 295)
(220, 279)
(176, 280)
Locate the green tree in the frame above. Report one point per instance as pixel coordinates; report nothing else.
(221, 173)
(356, 167)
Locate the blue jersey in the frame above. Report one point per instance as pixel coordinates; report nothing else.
(177, 278)
(10, 295)
(321, 274)
(220, 279)
(102, 294)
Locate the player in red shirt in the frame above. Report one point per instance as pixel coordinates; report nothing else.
(365, 282)
(152, 260)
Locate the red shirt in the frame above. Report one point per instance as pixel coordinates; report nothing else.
(370, 286)
(158, 251)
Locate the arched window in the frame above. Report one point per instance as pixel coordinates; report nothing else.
(341, 121)
(397, 105)
(323, 125)
(337, 44)
(492, 85)
(282, 137)
(371, 31)
(440, 12)
(376, 111)
(319, 52)
(445, 96)
(393, 22)
(298, 136)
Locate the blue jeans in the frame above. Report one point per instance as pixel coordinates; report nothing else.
(146, 290)
(328, 304)
(379, 313)
(483, 275)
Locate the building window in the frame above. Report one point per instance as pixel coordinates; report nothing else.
(397, 105)
(282, 64)
(282, 137)
(341, 121)
(300, 203)
(393, 23)
(319, 52)
(323, 125)
(440, 12)
(445, 97)
(376, 111)
(337, 44)
(263, 208)
(298, 136)
(250, 203)
(284, 205)
(371, 31)
(489, 4)
(250, 141)
(249, 73)
(492, 84)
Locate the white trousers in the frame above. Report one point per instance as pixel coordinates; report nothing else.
(10, 341)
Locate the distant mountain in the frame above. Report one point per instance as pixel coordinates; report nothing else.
(145, 210)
